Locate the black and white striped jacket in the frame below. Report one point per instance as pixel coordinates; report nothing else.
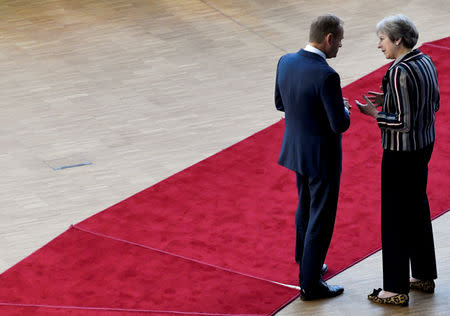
(410, 102)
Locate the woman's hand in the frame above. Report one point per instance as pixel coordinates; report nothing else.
(377, 98)
(369, 108)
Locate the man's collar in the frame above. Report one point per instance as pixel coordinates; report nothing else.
(317, 51)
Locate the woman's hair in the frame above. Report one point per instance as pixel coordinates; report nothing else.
(323, 25)
(399, 26)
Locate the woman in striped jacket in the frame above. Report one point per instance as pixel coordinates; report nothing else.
(409, 101)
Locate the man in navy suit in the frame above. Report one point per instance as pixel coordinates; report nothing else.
(308, 90)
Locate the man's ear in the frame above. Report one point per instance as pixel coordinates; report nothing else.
(329, 38)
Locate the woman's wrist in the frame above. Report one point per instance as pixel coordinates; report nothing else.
(375, 114)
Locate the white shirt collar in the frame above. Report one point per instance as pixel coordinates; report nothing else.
(314, 50)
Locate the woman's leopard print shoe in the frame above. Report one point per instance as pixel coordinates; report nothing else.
(399, 299)
(424, 286)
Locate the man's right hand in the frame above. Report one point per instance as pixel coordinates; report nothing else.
(347, 105)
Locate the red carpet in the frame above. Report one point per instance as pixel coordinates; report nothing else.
(207, 240)
(86, 270)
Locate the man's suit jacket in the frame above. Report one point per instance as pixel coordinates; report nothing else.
(308, 90)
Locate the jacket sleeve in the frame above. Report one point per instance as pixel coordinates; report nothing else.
(436, 95)
(278, 101)
(333, 102)
(399, 100)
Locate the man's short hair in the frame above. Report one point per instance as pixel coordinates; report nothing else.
(324, 25)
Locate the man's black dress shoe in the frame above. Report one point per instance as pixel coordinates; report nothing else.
(322, 290)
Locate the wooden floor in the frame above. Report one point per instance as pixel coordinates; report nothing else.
(142, 89)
